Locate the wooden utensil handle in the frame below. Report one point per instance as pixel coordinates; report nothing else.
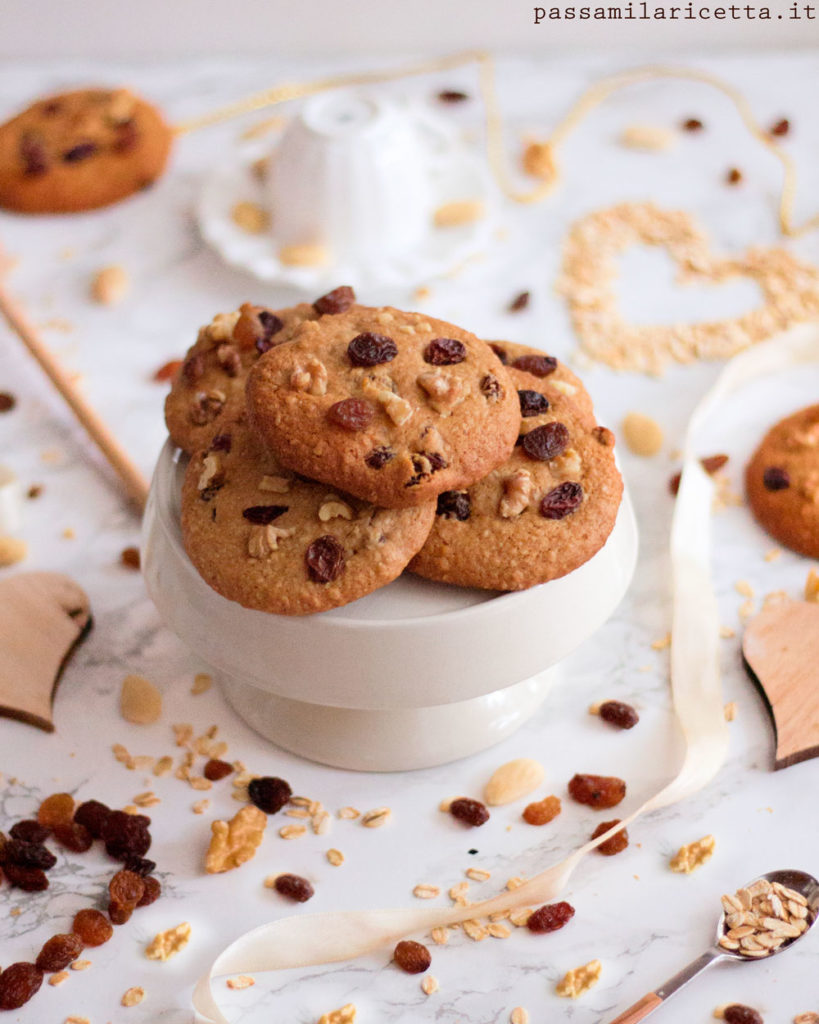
(646, 1005)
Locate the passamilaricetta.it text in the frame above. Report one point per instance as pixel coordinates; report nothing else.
(685, 12)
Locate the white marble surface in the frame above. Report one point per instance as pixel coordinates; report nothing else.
(642, 921)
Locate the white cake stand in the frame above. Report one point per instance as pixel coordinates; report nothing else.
(413, 675)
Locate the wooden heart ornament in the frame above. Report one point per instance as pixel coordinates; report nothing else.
(43, 616)
(781, 652)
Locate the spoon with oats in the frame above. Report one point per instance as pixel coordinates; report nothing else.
(763, 918)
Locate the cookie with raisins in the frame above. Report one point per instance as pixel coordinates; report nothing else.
(390, 406)
(548, 509)
(545, 367)
(274, 541)
(782, 481)
(81, 150)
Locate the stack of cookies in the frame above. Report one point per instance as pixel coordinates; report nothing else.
(333, 445)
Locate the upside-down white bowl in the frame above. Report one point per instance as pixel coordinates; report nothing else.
(413, 675)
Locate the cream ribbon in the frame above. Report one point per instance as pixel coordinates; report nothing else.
(344, 935)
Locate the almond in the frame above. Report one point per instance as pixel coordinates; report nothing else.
(140, 702)
(514, 780)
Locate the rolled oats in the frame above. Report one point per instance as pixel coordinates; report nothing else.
(349, 813)
(133, 996)
(335, 857)
(303, 255)
(440, 936)
(80, 965)
(475, 930)
(344, 1015)
(58, 978)
(200, 806)
(692, 856)
(376, 818)
(478, 874)
(235, 842)
(293, 831)
(498, 931)
(240, 982)
(730, 711)
(426, 892)
(579, 980)
(519, 1016)
(461, 211)
(12, 550)
(166, 944)
(649, 137)
(321, 822)
(429, 984)
(812, 586)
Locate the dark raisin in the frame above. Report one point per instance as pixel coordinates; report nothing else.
(74, 837)
(550, 918)
(215, 769)
(532, 403)
(93, 815)
(781, 127)
(59, 952)
(193, 368)
(294, 887)
(153, 890)
(692, 124)
(221, 443)
(18, 983)
(454, 505)
(33, 155)
(561, 501)
(736, 1013)
(256, 327)
(141, 866)
(617, 713)
(538, 366)
(92, 927)
(28, 855)
(263, 515)
(470, 812)
(370, 349)
(29, 831)
(519, 302)
(324, 559)
(129, 558)
(445, 352)
(500, 352)
(598, 791)
(34, 491)
(351, 414)
(126, 835)
(436, 460)
(776, 479)
(616, 844)
(452, 96)
(491, 388)
(379, 457)
(7, 401)
(338, 300)
(57, 809)
(268, 793)
(271, 325)
(79, 152)
(27, 879)
(733, 176)
(412, 957)
(547, 441)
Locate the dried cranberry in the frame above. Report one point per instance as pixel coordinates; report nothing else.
(454, 505)
(370, 349)
(58, 952)
(452, 96)
(33, 155)
(7, 401)
(561, 501)
(491, 387)
(500, 352)
(379, 457)
(775, 478)
(470, 812)
(338, 300)
(28, 855)
(736, 1013)
(324, 559)
(18, 983)
(93, 815)
(692, 124)
(543, 811)
(92, 927)
(616, 844)
(445, 352)
(57, 809)
(141, 866)
(781, 127)
(30, 831)
(598, 791)
(215, 769)
(547, 441)
(532, 403)
(269, 793)
(519, 302)
(294, 887)
(617, 713)
(550, 918)
(221, 443)
(153, 890)
(351, 414)
(27, 879)
(538, 366)
(263, 515)
(412, 957)
(74, 837)
(193, 368)
(79, 152)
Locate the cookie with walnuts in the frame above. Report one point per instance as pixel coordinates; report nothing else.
(271, 540)
(782, 481)
(81, 150)
(544, 367)
(548, 509)
(393, 407)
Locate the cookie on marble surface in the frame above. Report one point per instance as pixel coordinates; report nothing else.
(271, 540)
(80, 150)
(545, 367)
(782, 481)
(393, 407)
(548, 509)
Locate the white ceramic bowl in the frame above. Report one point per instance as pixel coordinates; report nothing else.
(412, 675)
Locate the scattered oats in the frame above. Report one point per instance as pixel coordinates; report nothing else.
(719, 1011)
(773, 554)
(461, 211)
(515, 883)
(200, 782)
(806, 1018)
(648, 137)
(130, 809)
(519, 1015)
(292, 831)
(58, 978)
(320, 822)
(812, 586)
(519, 918)
(642, 434)
(12, 550)
(335, 857)
(440, 936)
(303, 255)
(297, 812)
(250, 217)
(163, 766)
(121, 754)
(478, 874)
(580, 980)
(458, 893)
(110, 285)
(235, 842)
(376, 817)
(429, 984)
(423, 891)
(200, 806)
(499, 915)
(514, 780)
(166, 944)
(344, 1015)
(746, 609)
(730, 711)
(69, 533)
(241, 795)
(475, 930)
(692, 856)
(139, 701)
(80, 965)
(275, 484)
(774, 597)
(77, 1020)
(662, 643)
(744, 588)
(142, 763)
(147, 799)
(726, 632)
(202, 682)
(183, 734)
(538, 160)
(594, 709)
(243, 981)
(498, 931)
(445, 804)
(15, 911)
(133, 996)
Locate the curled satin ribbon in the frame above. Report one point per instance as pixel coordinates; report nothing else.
(325, 938)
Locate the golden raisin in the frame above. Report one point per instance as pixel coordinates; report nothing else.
(616, 844)
(57, 809)
(92, 927)
(58, 952)
(598, 791)
(543, 811)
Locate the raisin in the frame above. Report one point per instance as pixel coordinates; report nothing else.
(379, 457)
(692, 124)
(256, 327)
(616, 844)
(561, 501)
(262, 515)
(543, 811)
(57, 809)
(598, 791)
(604, 436)
(454, 505)
(500, 352)
(215, 769)
(27, 879)
(412, 957)
(546, 442)
(271, 325)
(736, 1013)
(781, 127)
(550, 918)
(532, 403)
(28, 855)
(711, 464)
(153, 890)
(92, 927)
(491, 388)
(30, 831)
(519, 302)
(445, 352)
(294, 887)
(126, 887)
(18, 983)
(126, 835)
(7, 401)
(268, 793)
(120, 913)
(351, 414)
(617, 713)
(370, 349)
(33, 155)
(453, 96)
(74, 837)
(93, 815)
(221, 443)
(141, 866)
(538, 366)
(79, 152)
(129, 558)
(193, 368)
(776, 479)
(338, 300)
(324, 559)
(733, 176)
(126, 138)
(470, 812)
(58, 952)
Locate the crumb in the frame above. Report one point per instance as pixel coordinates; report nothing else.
(458, 212)
(250, 217)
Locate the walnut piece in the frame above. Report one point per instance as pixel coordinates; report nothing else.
(444, 390)
(517, 493)
(264, 539)
(235, 842)
(210, 469)
(221, 327)
(275, 484)
(692, 856)
(344, 1015)
(311, 378)
(334, 508)
(567, 466)
(167, 944)
(398, 409)
(579, 980)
